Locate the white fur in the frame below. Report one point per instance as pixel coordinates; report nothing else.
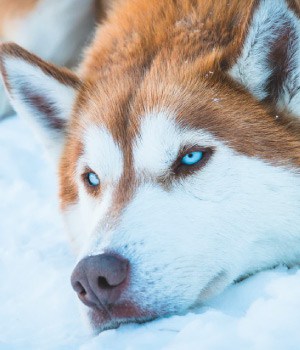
(20, 74)
(252, 68)
(156, 148)
(82, 218)
(102, 154)
(160, 142)
(235, 216)
(5, 107)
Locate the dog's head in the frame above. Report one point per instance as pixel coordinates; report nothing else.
(174, 179)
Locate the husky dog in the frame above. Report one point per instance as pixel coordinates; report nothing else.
(177, 142)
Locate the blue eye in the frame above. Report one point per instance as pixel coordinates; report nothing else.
(93, 179)
(192, 158)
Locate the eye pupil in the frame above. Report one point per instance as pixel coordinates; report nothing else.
(192, 158)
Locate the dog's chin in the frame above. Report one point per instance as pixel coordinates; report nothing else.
(102, 319)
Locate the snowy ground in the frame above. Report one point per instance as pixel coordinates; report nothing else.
(38, 309)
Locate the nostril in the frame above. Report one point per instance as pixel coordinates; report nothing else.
(103, 283)
(78, 287)
(82, 292)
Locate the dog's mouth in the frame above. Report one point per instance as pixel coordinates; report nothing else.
(111, 317)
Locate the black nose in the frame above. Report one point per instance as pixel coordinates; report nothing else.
(99, 279)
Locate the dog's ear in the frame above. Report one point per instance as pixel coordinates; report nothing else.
(269, 63)
(40, 92)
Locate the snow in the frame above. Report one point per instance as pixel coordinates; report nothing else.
(39, 310)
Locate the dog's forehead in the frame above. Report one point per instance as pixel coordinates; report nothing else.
(157, 142)
(147, 116)
(154, 146)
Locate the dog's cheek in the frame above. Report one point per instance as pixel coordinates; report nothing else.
(165, 262)
(74, 226)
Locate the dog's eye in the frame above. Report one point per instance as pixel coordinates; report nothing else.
(92, 179)
(192, 158)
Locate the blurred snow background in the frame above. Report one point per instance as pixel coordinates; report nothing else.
(38, 309)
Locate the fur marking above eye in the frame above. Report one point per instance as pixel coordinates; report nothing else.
(192, 158)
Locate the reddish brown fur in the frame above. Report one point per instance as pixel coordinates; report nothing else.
(174, 54)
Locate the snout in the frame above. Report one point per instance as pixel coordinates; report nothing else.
(102, 283)
(100, 280)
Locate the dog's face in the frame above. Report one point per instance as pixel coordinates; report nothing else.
(174, 181)
(161, 188)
